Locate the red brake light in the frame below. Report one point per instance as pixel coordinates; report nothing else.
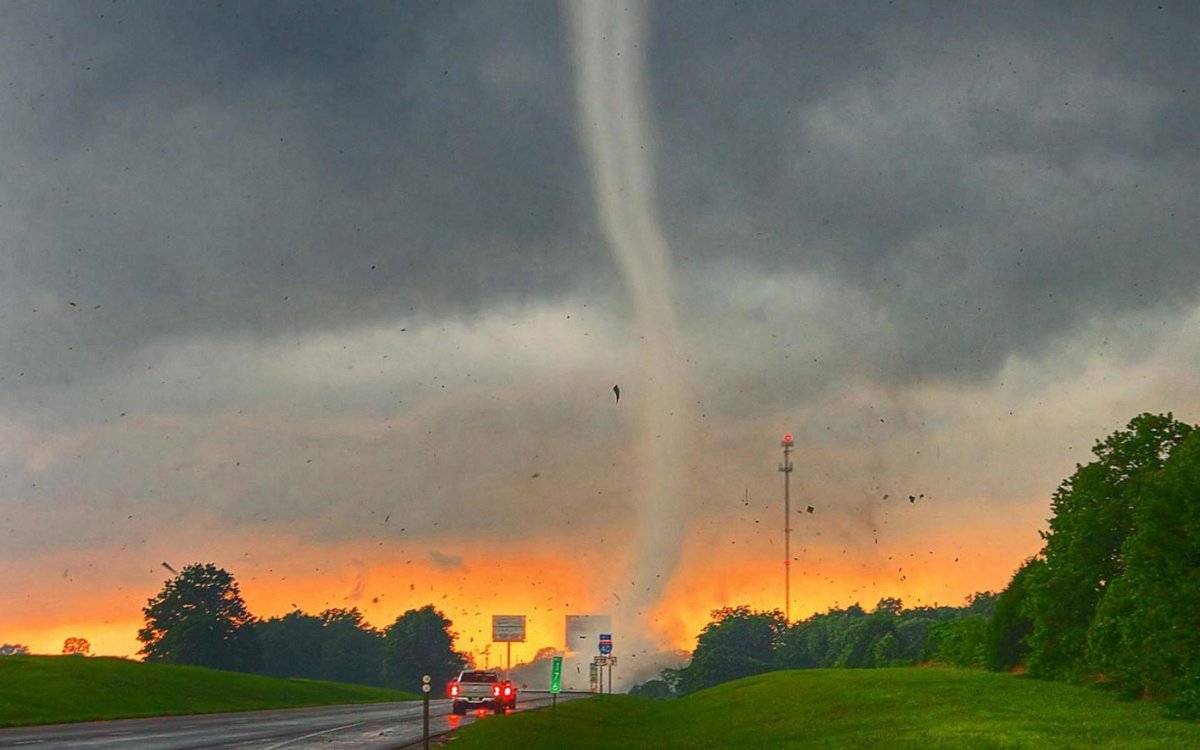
(507, 690)
(496, 690)
(453, 689)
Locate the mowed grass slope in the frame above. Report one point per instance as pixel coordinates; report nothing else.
(852, 708)
(54, 689)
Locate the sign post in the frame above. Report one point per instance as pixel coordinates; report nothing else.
(598, 663)
(555, 683)
(425, 712)
(606, 648)
(508, 629)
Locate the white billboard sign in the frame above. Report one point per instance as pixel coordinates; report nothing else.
(508, 628)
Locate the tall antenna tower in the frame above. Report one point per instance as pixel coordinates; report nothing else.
(786, 468)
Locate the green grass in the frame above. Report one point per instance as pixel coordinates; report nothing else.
(53, 689)
(880, 708)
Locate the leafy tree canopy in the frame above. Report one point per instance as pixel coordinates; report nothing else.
(738, 642)
(420, 642)
(199, 618)
(1085, 545)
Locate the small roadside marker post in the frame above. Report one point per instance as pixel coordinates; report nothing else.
(606, 648)
(555, 684)
(425, 711)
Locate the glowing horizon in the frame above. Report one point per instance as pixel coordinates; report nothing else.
(343, 313)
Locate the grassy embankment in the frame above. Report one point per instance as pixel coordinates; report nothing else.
(53, 689)
(852, 708)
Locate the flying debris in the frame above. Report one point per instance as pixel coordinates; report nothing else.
(810, 509)
(912, 499)
(617, 391)
(168, 567)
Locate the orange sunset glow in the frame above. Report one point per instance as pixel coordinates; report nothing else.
(506, 312)
(937, 567)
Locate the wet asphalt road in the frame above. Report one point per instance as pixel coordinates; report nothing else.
(376, 726)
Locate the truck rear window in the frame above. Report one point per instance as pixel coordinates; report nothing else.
(478, 677)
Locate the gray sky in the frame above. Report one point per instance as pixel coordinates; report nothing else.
(279, 271)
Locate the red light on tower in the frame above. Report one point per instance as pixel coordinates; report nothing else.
(787, 439)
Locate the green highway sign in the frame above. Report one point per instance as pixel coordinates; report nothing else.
(556, 675)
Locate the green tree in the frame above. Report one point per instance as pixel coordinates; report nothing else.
(736, 643)
(1146, 635)
(1010, 624)
(912, 634)
(961, 642)
(884, 651)
(981, 603)
(419, 643)
(1083, 554)
(351, 650)
(291, 645)
(852, 642)
(199, 618)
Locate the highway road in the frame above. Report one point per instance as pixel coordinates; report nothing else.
(376, 726)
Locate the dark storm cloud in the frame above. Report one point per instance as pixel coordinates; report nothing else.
(989, 176)
(198, 169)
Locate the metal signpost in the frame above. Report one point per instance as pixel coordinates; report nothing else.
(425, 711)
(606, 648)
(555, 683)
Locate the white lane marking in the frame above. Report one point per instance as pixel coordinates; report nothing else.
(285, 743)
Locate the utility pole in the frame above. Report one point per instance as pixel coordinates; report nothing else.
(786, 468)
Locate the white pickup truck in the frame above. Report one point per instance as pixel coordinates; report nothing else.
(478, 689)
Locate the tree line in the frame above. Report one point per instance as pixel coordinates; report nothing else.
(200, 619)
(740, 642)
(1113, 597)
(1114, 594)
